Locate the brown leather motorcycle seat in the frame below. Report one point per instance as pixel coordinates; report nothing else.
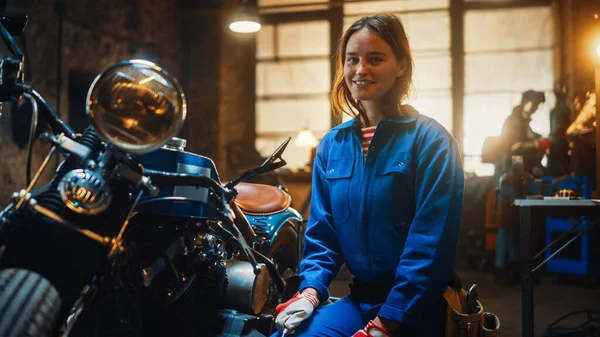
(260, 199)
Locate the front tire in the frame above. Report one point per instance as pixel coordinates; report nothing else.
(29, 304)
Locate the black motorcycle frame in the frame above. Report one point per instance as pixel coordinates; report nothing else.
(65, 140)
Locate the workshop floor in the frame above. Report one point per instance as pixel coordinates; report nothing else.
(552, 300)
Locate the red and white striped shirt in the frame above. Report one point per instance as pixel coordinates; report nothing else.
(367, 136)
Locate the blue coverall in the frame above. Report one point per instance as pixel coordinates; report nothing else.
(393, 218)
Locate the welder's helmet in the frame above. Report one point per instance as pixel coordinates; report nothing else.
(531, 100)
(532, 95)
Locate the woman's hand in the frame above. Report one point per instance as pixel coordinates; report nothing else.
(298, 308)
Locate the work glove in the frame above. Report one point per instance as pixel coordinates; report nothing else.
(372, 330)
(298, 308)
(544, 144)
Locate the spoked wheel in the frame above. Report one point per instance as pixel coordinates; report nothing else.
(29, 304)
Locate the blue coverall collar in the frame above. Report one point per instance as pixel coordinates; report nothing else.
(409, 115)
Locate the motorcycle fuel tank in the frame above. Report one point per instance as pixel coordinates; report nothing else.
(191, 199)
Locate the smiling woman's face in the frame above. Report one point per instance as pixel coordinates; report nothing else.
(370, 66)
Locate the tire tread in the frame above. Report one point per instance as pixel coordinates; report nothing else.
(29, 304)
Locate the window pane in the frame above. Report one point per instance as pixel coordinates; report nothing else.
(293, 77)
(292, 83)
(508, 29)
(265, 44)
(304, 39)
(432, 72)
(293, 115)
(509, 71)
(473, 164)
(508, 51)
(438, 107)
(485, 115)
(426, 31)
(371, 7)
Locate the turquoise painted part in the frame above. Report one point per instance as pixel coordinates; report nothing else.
(273, 223)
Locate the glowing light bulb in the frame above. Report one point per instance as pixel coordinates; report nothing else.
(245, 26)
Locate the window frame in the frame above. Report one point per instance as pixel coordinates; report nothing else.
(334, 13)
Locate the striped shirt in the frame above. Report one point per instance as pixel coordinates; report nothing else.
(367, 136)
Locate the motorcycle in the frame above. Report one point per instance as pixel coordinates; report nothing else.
(133, 236)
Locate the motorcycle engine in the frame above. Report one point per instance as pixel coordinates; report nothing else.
(183, 270)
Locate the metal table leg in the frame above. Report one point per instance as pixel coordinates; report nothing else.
(526, 273)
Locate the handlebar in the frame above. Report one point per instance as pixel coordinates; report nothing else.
(56, 123)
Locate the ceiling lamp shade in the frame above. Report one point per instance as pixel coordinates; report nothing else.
(245, 20)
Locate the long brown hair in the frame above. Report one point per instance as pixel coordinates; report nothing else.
(390, 29)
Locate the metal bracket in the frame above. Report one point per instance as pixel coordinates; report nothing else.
(71, 146)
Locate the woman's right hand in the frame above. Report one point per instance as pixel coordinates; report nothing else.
(298, 308)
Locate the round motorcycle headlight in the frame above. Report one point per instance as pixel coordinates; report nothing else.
(136, 105)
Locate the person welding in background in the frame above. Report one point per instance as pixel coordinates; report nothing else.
(520, 138)
(520, 158)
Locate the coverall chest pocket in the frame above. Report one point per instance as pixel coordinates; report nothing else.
(339, 174)
(395, 165)
(394, 188)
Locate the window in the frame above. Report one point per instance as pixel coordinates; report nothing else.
(506, 52)
(292, 86)
(294, 73)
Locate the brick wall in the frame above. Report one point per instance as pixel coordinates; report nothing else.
(188, 38)
(220, 82)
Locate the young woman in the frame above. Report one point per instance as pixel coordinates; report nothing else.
(387, 199)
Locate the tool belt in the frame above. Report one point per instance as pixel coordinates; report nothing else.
(459, 322)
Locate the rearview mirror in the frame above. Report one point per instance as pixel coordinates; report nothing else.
(273, 162)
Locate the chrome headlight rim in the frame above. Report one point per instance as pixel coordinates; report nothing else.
(101, 130)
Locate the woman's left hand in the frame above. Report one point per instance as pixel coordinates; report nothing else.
(372, 330)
